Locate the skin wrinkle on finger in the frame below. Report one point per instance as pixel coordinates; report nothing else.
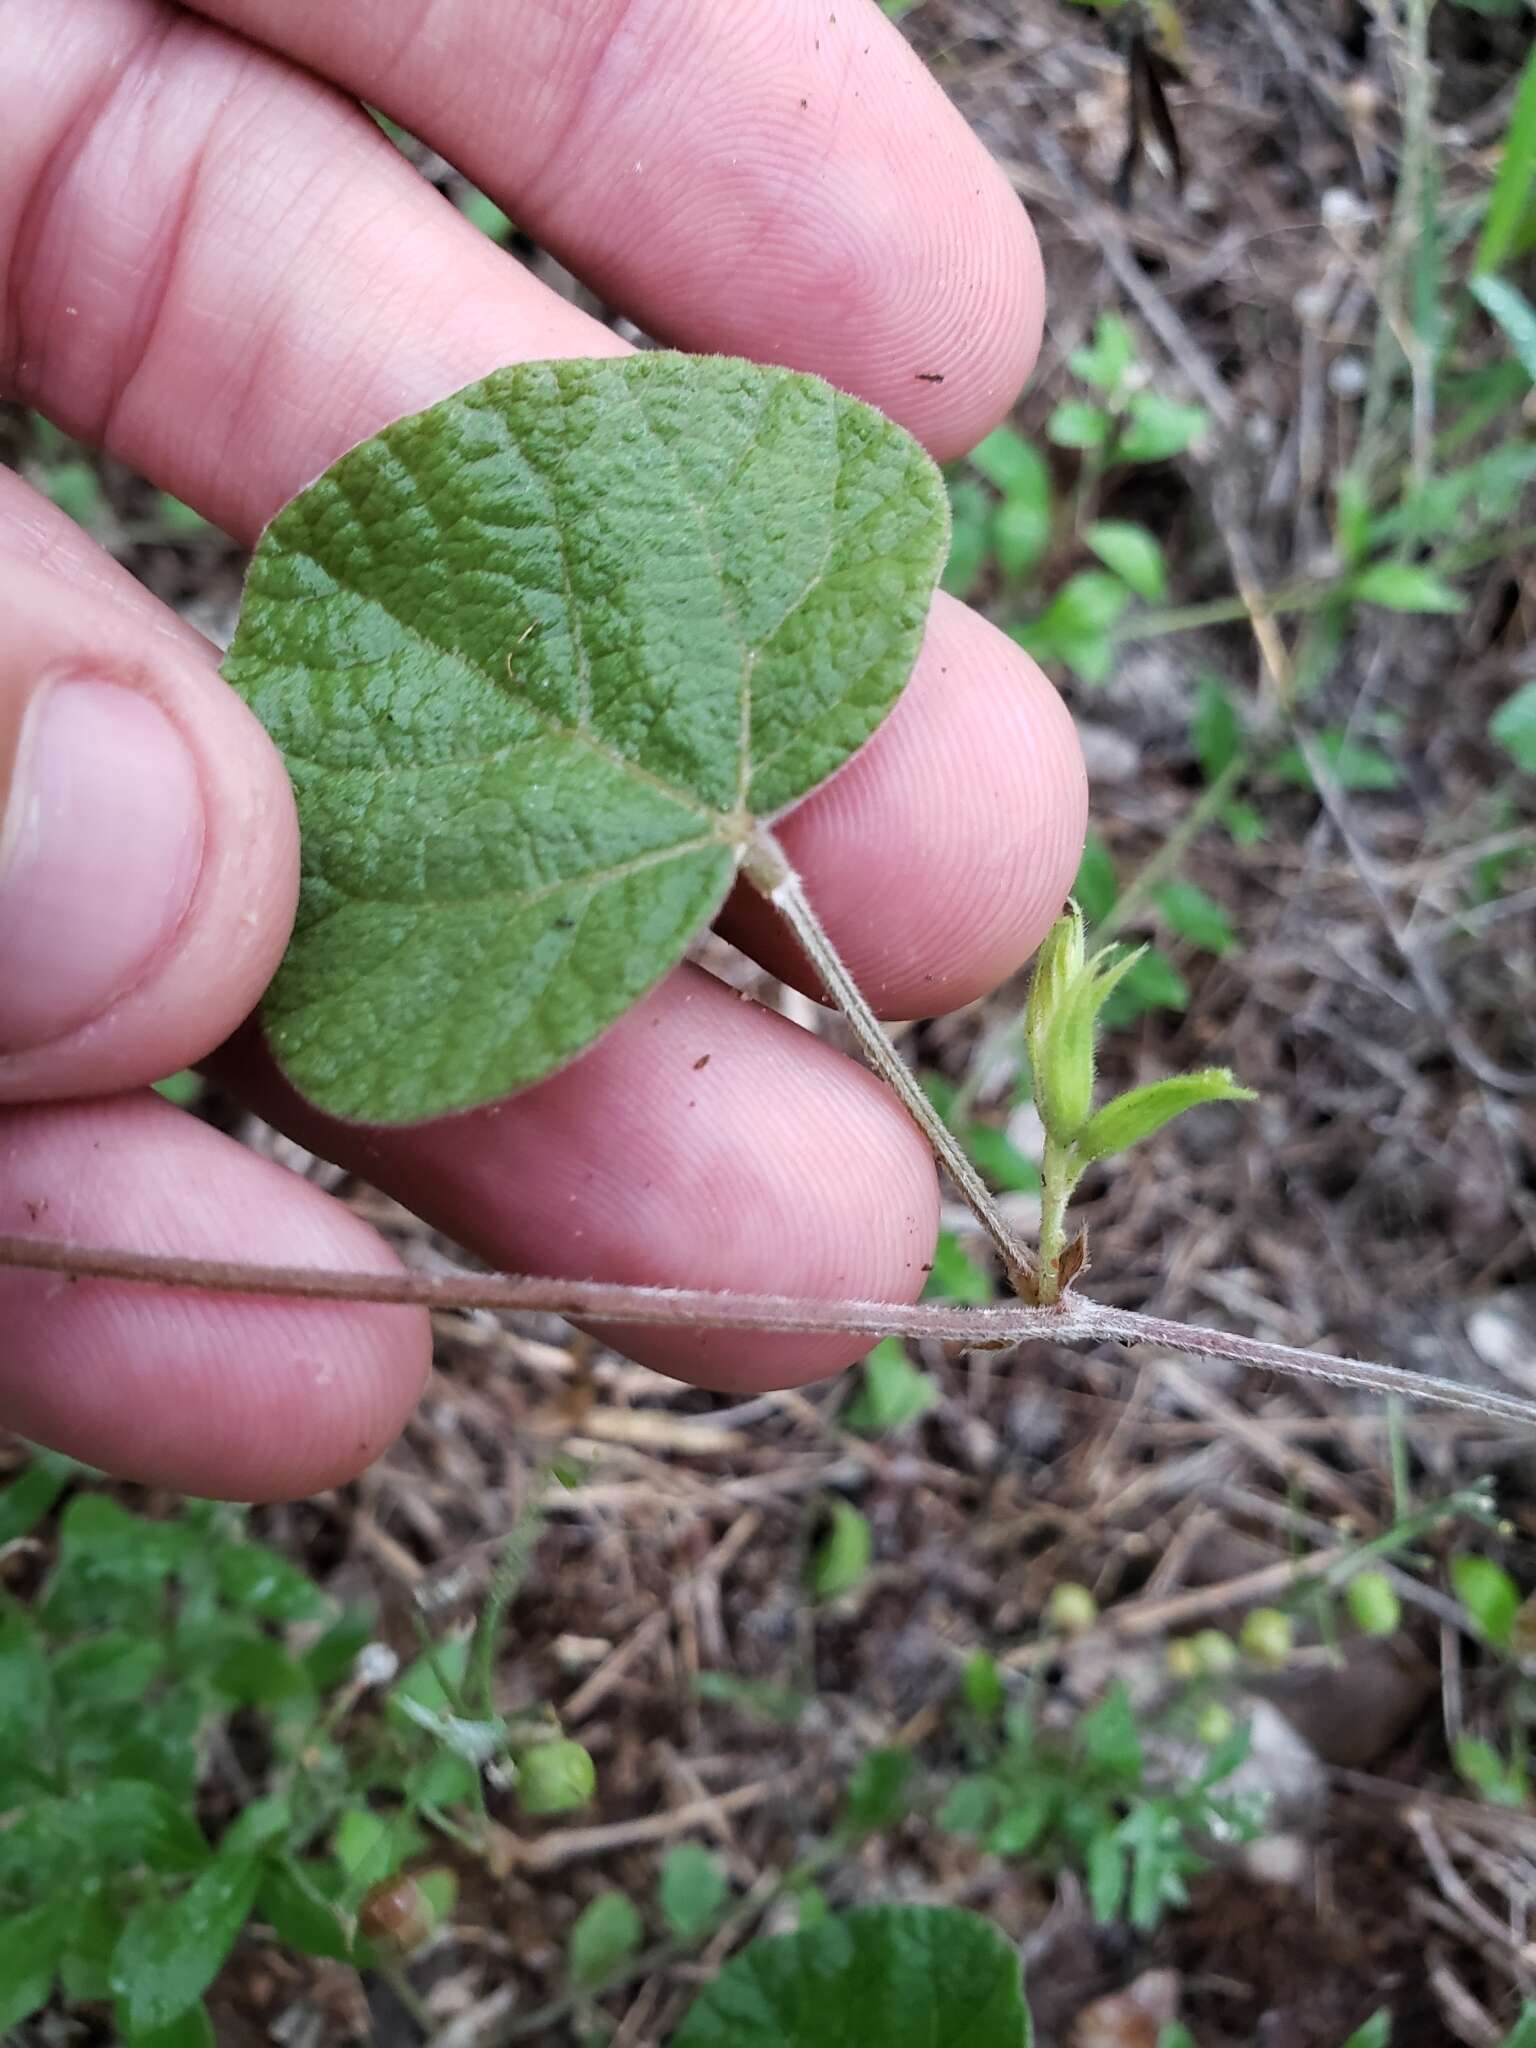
(236, 921)
(222, 1397)
(784, 182)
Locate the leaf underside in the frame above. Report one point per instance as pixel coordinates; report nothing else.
(537, 658)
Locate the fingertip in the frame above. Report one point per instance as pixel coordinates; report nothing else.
(939, 857)
(217, 1394)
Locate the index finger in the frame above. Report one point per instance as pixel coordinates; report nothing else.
(782, 182)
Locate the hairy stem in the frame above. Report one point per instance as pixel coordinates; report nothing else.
(1076, 1320)
(767, 868)
(1057, 1181)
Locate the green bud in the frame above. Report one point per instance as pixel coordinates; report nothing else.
(1215, 1654)
(1071, 1609)
(1057, 965)
(1141, 1111)
(1182, 1659)
(1214, 1724)
(554, 1777)
(1373, 1605)
(1063, 1072)
(1267, 1636)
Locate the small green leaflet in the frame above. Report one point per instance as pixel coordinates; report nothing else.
(538, 659)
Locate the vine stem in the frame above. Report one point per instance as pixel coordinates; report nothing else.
(768, 869)
(1075, 1320)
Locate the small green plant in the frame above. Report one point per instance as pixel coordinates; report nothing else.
(1498, 1767)
(1061, 1023)
(117, 1686)
(1089, 1799)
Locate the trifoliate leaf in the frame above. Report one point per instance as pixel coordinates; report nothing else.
(1140, 1111)
(537, 658)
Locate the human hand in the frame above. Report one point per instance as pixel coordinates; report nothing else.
(222, 271)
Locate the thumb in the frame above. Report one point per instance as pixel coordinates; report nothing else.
(148, 847)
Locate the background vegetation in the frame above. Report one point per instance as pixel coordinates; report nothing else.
(1213, 1696)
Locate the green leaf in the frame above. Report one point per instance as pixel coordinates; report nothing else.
(1151, 983)
(293, 1900)
(691, 1891)
(1215, 730)
(171, 1950)
(107, 1670)
(261, 1581)
(537, 658)
(85, 1964)
(1245, 824)
(892, 1392)
(30, 1947)
(970, 536)
(1076, 424)
(1513, 725)
(75, 488)
(1403, 587)
(1105, 362)
(1514, 179)
(94, 1528)
(1096, 887)
(26, 1500)
(969, 1808)
(194, 2029)
(370, 1847)
(955, 1275)
(1021, 533)
(877, 1791)
(1000, 1160)
(902, 1976)
(1486, 1771)
(1133, 554)
(606, 1934)
(481, 211)
(1107, 1875)
(1353, 518)
(842, 1556)
(1107, 1736)
(1014, 464)
(1077, 626)
(982, 1684)
(1514, 313)
(1021, 525)
(24, 1688)
(1353, 764)
(422, 1683)
(1523, 2032)
(1158, 428)
(1140, 1111)
(1193, 915)
(1375, 2033)
(1490, 1596)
